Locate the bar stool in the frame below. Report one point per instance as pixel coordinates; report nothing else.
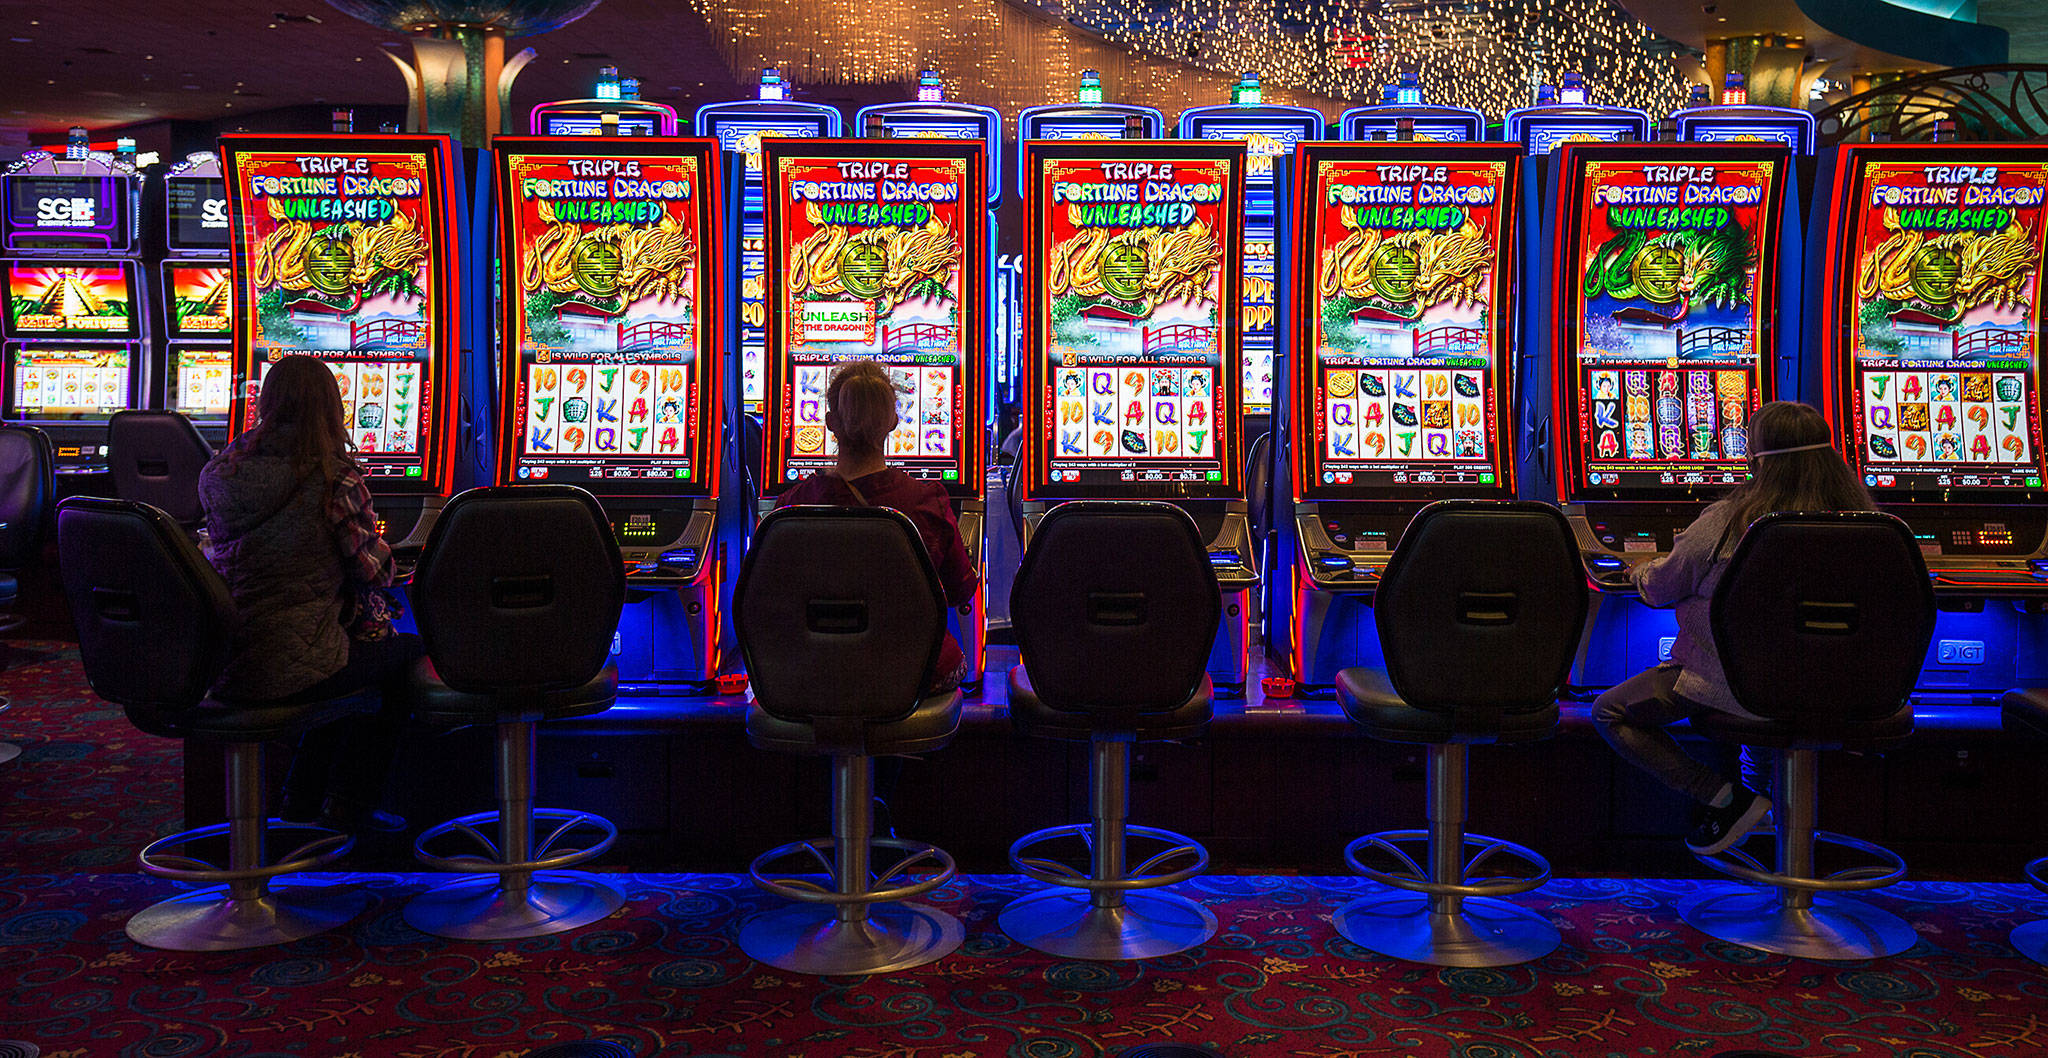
(1479, 612)
(841, 618)
(1821, 622)
(154, 628)
(26, 463)
(155, 457)
(517, 595)
(1115, 607)
(2027, 711)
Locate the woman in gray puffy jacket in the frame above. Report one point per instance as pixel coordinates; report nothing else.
(293, 532)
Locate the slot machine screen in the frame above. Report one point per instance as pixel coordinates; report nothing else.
(346, 253)
(199, 300)
(92, 300)
(1406, 373)
(877, 252)
(56, 383)
(1133, 365)
(1666, 292)
(201, 383)
(48, 212)
(1935, 329)
(197, 212)
(610, 293)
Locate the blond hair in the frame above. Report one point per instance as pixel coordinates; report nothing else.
(860, 405)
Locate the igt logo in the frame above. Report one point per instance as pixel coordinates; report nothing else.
(67, 212)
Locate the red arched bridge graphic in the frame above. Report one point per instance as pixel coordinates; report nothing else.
(917, 338)
(1924, 342)
(385, 333)
(1711, 341)
(652, 332)
(1450, 341)
(1990, 342)
(1179, 338)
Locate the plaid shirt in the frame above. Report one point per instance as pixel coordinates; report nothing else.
(364, 554)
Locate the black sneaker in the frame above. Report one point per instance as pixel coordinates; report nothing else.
(1720, 828)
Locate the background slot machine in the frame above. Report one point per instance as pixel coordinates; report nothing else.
(741, 126)
(192, 341)
(1404, 116)
(1734, 120)
(610, 373)
(1134, 364)
(614, 109)
(1269, 133)
(1400, 384)
(839, 212)
(1670, 324)
(346, 248)
(72, 332)
(1930, 328)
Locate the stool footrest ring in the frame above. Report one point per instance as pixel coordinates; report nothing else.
(1736, 863)
(875, 889)
(1413, 878)
(2037, 873)
(1146, 875)
(323, 848)
(474, 826)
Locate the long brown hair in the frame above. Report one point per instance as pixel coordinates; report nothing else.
(860, 406)
(1811, 479)
(300, 393)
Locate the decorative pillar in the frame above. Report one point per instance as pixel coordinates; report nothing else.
(1770, 67)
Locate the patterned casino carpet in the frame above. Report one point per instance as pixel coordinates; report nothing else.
(665, 977)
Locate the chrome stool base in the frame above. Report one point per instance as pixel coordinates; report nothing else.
(481, 909)
(212, 920)
(1486, 932)
(1066, 923)
(1833, 928)
(2032, 941)
(813, 939)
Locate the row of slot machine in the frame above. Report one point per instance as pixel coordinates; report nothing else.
(1299, 340)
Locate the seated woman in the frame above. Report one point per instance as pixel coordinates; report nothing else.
(860, 410)
(294, 535)
(1793, 466)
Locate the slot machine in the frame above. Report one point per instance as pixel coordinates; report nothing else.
(1404, 116)
(741, 126)
(192, 340)
(614, 109)
(1133, 371)
(346, 248)
(1269, 132)
(839, 213)
(1930, 324)
(1087, 118)
(73, 332)
(1735, 120)
(610, 375)
(1400, 384)
(1670, 326)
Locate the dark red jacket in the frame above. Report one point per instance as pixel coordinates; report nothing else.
(926, 506)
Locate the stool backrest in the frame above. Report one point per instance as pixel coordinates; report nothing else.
(155, 458)
(155, 622)
(1115, 607)
(1823, 617)
(26, 466)
(839, 613)
(519, 590)
(1481, 607)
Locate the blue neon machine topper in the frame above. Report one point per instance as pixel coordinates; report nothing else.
(614, 109)
(1563, 115)
(740, 126)
(1269, 132)
(1087, 118)
(1403, 115)
(1734, 120)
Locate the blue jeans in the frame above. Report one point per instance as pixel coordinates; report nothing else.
(1633, 716)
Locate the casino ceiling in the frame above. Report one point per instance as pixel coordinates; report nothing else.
(106, 63)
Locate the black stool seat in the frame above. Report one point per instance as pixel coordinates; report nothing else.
(438, 703)
(1371, 702)
(234, 722)
(1826, 733)
(928, 727)
(2027, 708)
(1033, 717)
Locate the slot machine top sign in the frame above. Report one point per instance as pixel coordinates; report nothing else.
(1134, 361)
(877, 251)
(1934, 348)
(344, 251)
(1405, 377)
(1666, 281)
(611, 286)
